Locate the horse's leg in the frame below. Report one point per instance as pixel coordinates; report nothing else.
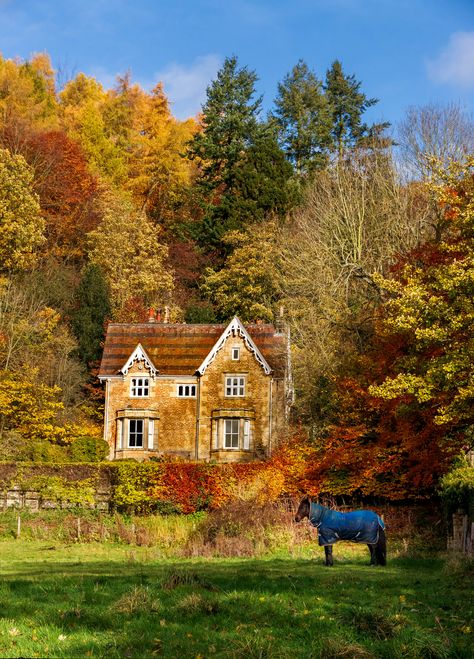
(381, 548)
(373, 554)
(328, 553)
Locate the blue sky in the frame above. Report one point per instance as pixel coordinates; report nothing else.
(405, 52)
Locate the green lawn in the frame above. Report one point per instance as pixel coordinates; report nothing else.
(108, 600)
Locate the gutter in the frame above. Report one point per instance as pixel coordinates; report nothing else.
(198, 419)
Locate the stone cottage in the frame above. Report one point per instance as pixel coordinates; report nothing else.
(202, 392)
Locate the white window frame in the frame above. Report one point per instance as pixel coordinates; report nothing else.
(230, 434)
(186, 390)
(136, 433)
(235, 353)
(140, 387)
(235, 386)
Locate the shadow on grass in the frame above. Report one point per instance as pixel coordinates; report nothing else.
(234, 608)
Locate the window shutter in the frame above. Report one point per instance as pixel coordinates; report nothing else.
(151, 434)
(246, 434)
(215, 435)
(119, 434)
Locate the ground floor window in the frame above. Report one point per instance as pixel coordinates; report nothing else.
(231, 433)
(137, 429)
(135, 433)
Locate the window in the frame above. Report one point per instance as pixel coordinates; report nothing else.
(186, 391)
(135, 433)
(140, 387)
(235, 386)
(231, 433)
(236, 353)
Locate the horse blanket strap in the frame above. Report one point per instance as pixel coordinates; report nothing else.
(357, 526)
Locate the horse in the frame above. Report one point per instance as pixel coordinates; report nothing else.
(357, 526)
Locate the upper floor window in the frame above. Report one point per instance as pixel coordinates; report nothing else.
(186, 391)
(236, 353)
(140, 387)
(235, 385)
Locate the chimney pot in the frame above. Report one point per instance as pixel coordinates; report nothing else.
(151, 315)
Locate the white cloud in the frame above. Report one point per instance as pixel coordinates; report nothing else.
(186, 86)
(455, 64)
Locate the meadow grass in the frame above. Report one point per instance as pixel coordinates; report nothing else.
(113, 600)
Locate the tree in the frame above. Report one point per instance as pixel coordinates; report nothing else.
(21, 223)
(432, 135)
(431, 307)
(66, 190)
(347, 104)
(354, 222)
(126, 247)
(28, 99)
(29, 408)
(81, 108)
(90, 314)
(303, 118)
(229, 127)
(248, 284)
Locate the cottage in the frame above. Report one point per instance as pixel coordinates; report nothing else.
(203, 392)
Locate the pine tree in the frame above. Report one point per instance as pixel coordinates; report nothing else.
(303, 119)
(230, 127)
(347, 105)
(93, 308)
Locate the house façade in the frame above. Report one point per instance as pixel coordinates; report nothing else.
(202, 392)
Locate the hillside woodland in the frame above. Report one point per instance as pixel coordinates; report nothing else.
(361, 233)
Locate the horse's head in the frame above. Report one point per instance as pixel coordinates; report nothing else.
(303, 509)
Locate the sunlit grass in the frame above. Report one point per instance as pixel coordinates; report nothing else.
(111, 600)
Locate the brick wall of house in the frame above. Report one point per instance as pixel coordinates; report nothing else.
(174, 419)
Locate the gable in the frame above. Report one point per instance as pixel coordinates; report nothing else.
(233, 329)
(139, 355)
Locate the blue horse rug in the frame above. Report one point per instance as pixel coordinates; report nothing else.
(357, 526)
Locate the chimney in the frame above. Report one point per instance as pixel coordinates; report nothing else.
(280, 320)
(166, 318)
(151, 315)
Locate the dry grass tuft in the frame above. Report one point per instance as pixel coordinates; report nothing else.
(138, 599)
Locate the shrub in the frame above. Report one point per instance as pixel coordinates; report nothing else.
(242, 528)
(88, 449)
(457, 489)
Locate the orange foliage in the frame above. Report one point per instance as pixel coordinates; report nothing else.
(66, 190)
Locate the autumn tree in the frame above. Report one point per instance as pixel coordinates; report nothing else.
(81, 111)
(126, 246)
(66, 189)
(29, 408)
(355, 220)
(405, 408)
(248, 283)
(21, 222)
(431, 135)
(28, 99)
(431, 307)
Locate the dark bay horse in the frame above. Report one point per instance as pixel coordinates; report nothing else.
(357, 526)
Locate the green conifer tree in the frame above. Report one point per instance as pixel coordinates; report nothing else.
(347, 105)
(303, 118)
(93, 308)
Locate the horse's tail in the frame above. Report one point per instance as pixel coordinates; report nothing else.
(381, 546)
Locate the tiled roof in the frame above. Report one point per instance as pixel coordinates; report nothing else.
(180, 349)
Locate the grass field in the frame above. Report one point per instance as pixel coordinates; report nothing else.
(111, 600)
